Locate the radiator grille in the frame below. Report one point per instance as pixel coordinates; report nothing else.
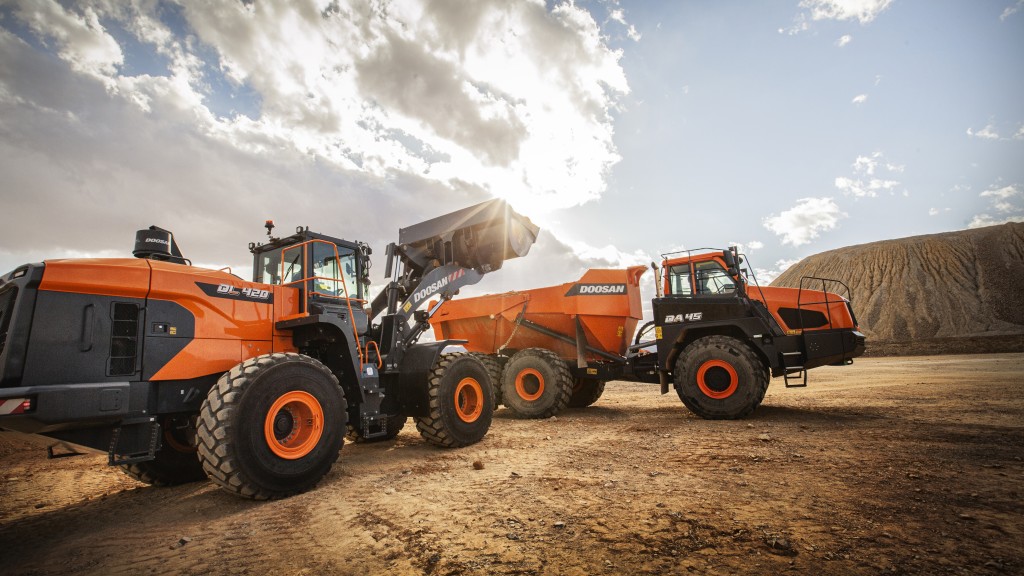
(124, 339)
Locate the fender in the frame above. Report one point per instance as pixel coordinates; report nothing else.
(414, 375)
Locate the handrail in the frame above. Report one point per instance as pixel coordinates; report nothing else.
(824, 290)
(348, 301)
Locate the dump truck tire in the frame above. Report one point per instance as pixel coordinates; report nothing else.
(536, 383)
(394, 425)
(176, 461)
(494, 367)
(272, 426)
(720, 378)
(461, 403)
(585, 392)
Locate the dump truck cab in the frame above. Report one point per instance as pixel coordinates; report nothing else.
(719, 335)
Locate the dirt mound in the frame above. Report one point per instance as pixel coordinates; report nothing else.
(965, 288)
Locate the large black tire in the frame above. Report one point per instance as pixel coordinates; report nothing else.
(393, 426)
(176, 461)
(272, 426)
(494, 367)
(720, 378)
(461, 403)
(585, 392)
(536, 383)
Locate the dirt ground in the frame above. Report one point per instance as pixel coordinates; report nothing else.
(892, 465)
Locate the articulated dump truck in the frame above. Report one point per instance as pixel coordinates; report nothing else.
(717, 339)
(179, 372)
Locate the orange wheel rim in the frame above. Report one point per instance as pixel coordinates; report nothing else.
(175, 444)
(529, 384)
(469, 400)
(294, 425)
(717, 379)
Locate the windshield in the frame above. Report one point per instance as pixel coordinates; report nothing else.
(334, 268)
(334, 271)
(713, 279)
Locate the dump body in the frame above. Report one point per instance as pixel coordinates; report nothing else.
(603, 303)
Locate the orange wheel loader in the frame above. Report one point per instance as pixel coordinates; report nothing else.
(178, 372)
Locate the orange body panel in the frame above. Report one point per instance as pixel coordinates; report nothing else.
(775, 298)
(608, 319)
(200, 358)
(227, 331)
(128, 277)
(215, 317)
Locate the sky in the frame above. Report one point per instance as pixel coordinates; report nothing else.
(624, 128)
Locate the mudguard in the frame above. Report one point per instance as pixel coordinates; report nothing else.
(414, 374)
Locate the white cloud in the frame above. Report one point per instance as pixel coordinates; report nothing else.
(986, 133)
(871, 175)
(514, 99)
(76, 34)
(1006, 201)
(747, 247)
(1011, 10)
(1019, 135)
(805, 221)
(859, 99)
(618, 15)
(358, 120)
(933, 211)
(844, 40)
(863, 11)
(766, 276)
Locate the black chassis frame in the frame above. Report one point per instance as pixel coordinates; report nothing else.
(749, 321)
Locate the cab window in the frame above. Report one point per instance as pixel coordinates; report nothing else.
(713, 279)
(273, 271)
(679, 280)
(334, 272)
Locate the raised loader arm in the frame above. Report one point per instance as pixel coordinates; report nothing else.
(438, 257)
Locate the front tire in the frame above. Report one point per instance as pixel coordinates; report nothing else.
(720, 378)
(460, 402)
(536, 383)
(272, 426)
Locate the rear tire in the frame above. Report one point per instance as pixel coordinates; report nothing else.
(536, 383)
(720, 378)
(493, 366)
(585, 392)
(272, 426)
(461, 402)
(176, 461)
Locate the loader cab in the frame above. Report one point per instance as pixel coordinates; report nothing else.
(323, 267)
(701, 273)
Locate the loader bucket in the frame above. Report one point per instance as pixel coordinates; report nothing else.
(480, 237)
